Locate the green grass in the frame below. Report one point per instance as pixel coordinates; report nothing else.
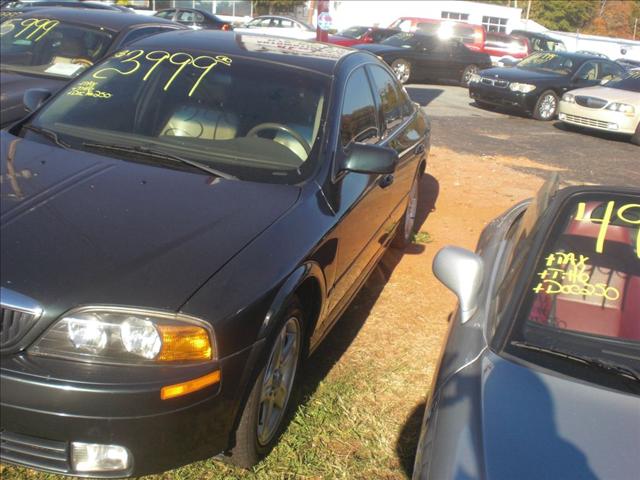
(421, 237)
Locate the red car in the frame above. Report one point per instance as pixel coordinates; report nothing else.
(501, 45)
(357, 35)
(473, 36)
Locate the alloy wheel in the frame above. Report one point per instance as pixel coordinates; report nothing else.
(402, 69)
(278, 380)
(547, 107)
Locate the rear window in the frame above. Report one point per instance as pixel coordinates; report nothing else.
(581, 311)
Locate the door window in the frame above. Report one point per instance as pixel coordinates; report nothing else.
(390, 101)
(358, 118)
(165, 14)
(199, 18)
(610, 71)
(588, 72)
(186, 16)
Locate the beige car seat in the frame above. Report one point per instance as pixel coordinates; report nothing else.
(202, 123)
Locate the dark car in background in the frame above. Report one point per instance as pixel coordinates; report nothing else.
(628, 64)
(540, 373)
(539, 42)
(45, 48)
(416, 57)
(536, 84)
(473, 36)
(195, 19)
(199, 210)
(357, 35)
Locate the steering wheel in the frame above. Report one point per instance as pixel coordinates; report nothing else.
(283, 128)
(82, 61)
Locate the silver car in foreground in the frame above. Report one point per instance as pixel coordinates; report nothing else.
(539, 378)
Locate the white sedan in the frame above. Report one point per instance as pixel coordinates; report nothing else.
(613, 107)
(279, 26)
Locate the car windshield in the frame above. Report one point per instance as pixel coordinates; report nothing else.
(631, 83)
(549, 62)
(251, 119)
(584, 296)
(404, 39)
(353, 32)
(50, 47)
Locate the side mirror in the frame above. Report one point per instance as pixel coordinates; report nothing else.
(363, 158)
(34, 98)
(461, 272)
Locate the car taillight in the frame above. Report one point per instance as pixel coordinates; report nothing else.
(226, 27)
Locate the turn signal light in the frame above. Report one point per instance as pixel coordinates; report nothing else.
(180, 389)
(184, 343)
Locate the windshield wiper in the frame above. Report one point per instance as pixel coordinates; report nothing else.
(49, 134)
(148, 152)
(591, 361)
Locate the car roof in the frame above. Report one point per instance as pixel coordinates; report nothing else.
(109, 19)
(579, 56)
(315, 56)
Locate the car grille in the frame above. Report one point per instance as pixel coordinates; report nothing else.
(495, 82)
(35, 452)
(590, 102)
(14, 324)
(588, 122)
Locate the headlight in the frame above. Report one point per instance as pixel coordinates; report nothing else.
(521, 87)
(621, 107)
(475, 78)
(119, 335)
(569, 98)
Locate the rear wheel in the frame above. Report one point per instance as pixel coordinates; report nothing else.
(402, 69)
(467, 73)
(546, 106)
(404, 233)
(266, 409)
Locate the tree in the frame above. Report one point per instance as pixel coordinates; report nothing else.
(564, 15)
(269, 7)
(615, 18)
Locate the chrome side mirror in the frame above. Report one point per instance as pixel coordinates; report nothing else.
(461, 272)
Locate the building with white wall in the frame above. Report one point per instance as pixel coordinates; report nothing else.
(496, 18)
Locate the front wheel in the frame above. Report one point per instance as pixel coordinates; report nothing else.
(468, 72)
(404, 233)
(266, 409)
(546, 107)
(402, 69)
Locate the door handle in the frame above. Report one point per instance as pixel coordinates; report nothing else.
(385, 181)
(419, 149)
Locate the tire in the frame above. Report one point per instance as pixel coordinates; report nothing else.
(256, 434)
(546, 107)
(402, 70)
(635, 138)
(404, 233)
(466, 74)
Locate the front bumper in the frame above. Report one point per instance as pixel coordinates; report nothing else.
(40, 416)
(598, 119)
(503, 97)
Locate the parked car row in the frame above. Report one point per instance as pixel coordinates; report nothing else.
(186, 214)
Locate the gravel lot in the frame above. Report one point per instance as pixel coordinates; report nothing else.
(581, 156)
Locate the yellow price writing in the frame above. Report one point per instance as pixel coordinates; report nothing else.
(33, 28)
(87, 89)
(545, 57)
(132, 60)
(628, 213)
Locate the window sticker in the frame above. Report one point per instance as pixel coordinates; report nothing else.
(87, 89)
(66, 69)
(131, 61)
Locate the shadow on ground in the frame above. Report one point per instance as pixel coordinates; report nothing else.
(424, 96)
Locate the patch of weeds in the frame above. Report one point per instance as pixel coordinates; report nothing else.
(421, 237)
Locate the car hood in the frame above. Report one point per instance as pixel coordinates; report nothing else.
(610, 94)
(80, 228)
(540, 425)
(517, 74)
(380, 49)
(12, 88)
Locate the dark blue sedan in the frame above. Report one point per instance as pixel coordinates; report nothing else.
(540, 376)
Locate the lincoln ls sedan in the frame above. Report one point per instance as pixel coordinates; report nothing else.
(181, 226)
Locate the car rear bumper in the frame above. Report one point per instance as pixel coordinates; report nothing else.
(40, 418)
(503, 97)
(598, 119)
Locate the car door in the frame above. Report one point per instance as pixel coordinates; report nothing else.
(430, 57)
(589, 74)
(363, 202)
